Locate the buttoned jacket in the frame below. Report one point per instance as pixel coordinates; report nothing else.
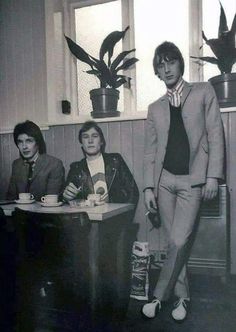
(48, 177)
(203, 125)
(121, 185)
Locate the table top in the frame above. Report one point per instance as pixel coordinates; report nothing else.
(97, 213)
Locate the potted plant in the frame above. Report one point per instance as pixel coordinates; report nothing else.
(224, 49)
(107, 70)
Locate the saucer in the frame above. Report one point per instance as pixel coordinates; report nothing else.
(98, 203)
(44, 204)
(21, 201)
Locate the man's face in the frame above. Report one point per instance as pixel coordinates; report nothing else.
(27, 146)
(91, 142)
(169, 71)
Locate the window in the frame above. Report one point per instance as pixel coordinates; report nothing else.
(90, 32)
(151, 22)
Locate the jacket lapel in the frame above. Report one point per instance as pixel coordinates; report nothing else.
(86, 177)
(38, 165)
(186, 90)
(166, 110)
(110, 170)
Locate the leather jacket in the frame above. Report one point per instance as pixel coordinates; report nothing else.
(121, 185)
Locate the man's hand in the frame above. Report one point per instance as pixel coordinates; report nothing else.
(70, 192)
(210, 189)
(150, 201)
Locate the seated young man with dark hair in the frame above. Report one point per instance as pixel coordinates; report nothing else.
(35, 171)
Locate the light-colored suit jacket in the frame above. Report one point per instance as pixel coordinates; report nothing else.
(203, 124)
(48, 177)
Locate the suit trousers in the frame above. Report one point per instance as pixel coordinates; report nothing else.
(179, 205)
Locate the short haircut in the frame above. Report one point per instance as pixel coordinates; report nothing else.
(31, 129)
(167, 51)
(92, 124)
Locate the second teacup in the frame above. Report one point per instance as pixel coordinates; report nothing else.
(49, 199)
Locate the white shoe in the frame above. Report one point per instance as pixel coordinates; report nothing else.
(150, 310)
(180, 311)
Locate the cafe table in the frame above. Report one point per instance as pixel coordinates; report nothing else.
(108, 250)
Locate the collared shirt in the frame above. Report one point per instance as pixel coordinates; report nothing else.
(175, 94)
(32, 161)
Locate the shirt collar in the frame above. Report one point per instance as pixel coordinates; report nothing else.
(33, 161)
(177, 89)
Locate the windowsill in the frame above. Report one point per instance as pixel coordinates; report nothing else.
(83, 118)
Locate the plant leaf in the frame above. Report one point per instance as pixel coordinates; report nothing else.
(233, 27)
(105, 74)
(206, 58)
(126, 64)
(204, 36)
(119, 58)
(120, 82)
(223, 27)
(79, 52)
(93, 72)
(125, 80)
(109, 43)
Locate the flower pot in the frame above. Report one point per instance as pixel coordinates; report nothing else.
(104, 102)
(225, 88)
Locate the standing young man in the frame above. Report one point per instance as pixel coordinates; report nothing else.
(35, 171)
(183, 163)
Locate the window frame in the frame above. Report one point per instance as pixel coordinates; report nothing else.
(67, 8)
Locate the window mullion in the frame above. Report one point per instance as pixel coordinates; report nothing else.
(195, 39)
(129, 43)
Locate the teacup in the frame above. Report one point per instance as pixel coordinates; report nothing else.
(26, 196)
(94, 197)
(49, 199)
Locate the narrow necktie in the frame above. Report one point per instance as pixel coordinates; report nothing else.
(30, 174)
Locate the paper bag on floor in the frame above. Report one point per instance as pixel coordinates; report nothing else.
(140, 268)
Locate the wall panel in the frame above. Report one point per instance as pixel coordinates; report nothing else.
(23, 89)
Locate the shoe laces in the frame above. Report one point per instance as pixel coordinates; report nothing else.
(158, 302)
(182, 302)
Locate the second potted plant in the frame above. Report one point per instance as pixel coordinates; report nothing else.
(107, 70)
(224, 49)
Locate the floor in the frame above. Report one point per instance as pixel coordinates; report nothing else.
(213, 309)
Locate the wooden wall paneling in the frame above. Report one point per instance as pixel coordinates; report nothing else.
(6, 163)
(114, 137)
(49, 139)
(104, 127)
(126, 141)
(71, 146)
(59, 143)
(138, 151)
(78, 151)
(232, 188)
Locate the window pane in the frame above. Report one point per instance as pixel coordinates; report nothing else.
(211, 19)
(93, 24)
(167, 20)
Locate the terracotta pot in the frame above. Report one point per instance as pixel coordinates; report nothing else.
(104, 102)
(225, 88)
